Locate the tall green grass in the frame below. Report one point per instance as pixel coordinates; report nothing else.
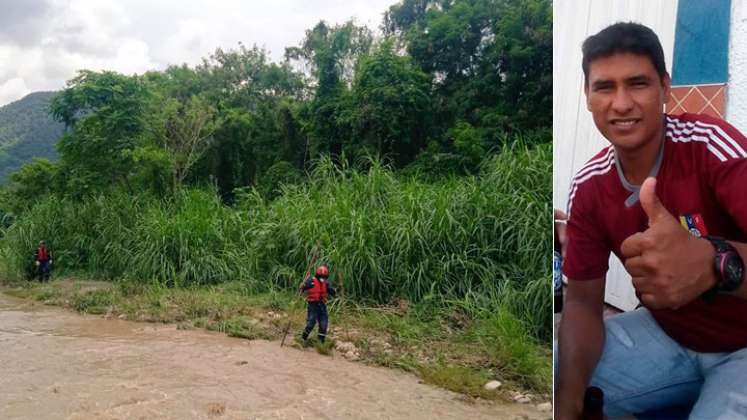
(476, 241)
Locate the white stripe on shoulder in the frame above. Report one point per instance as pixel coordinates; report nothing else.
(712, 136)
(589, 171)
(701, 139)
(596, 163)
(724, 136)
(686, 134)
(602, 158)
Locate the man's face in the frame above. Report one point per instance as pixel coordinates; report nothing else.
(625, 95)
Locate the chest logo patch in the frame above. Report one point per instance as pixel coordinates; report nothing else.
(694, 224)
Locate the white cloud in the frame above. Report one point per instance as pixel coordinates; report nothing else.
(13, 89)
(44, 42)
(132, 57)
(21, 22)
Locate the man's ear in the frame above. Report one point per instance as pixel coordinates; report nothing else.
(586, 93)
(666, 83)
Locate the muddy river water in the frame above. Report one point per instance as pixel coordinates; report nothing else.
(55, 364)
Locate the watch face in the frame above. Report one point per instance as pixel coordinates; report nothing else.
(732, 271)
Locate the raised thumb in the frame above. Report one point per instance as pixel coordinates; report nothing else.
(651, 203)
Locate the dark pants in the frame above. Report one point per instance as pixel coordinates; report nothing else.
(317, 311)
(43, 271)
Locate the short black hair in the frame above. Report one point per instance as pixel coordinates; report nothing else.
(623, 37)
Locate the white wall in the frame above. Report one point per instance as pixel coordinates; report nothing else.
(736, 90)
(575, 138)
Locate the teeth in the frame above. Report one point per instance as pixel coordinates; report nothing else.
(628, 122)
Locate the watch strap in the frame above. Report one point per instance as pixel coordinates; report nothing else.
(722, 247)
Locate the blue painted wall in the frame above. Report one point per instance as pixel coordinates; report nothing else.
(701, 43)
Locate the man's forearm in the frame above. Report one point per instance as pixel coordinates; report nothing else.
(581, 340)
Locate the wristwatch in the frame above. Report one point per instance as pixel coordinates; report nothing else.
(728, 266)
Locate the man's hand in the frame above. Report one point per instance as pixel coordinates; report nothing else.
(37, 263)
(670, 267)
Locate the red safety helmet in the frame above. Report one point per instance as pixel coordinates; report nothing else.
(322, 271)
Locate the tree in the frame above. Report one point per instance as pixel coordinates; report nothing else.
(30, 184)
(490, 59)
(392, 98)
(522, 52)
(102, 113)
(244, 78)
(187, 132)
(258, 103)
(331, 53)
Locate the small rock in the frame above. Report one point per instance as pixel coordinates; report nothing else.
(492, 385)
(516, 396)
(545, 407)
(345, 346)
(524, 400)
(123, 316)
(348, 350)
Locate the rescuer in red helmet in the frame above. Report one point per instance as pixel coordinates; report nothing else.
(43, 261)
(317, 289)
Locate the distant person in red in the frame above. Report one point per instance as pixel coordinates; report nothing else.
(317, 289)
(43, 261)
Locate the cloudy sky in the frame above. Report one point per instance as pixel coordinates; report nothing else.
(44, 42)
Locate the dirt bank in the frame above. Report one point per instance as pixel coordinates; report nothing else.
(60, 365)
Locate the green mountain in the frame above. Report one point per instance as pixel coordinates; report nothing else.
(27, 131)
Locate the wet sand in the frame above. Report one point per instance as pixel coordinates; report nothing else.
(55, 364)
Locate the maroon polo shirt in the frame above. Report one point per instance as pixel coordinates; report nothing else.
(701, 176)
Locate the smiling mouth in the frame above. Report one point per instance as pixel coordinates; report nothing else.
(624, 122)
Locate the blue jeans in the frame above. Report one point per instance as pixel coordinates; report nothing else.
(643, 369)
(44, 270)
(316, 312)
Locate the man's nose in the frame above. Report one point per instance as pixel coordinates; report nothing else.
(622, 103)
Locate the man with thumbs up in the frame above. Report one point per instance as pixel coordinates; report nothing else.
(669, 198)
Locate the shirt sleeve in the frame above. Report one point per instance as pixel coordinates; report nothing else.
(308, 284)
(727, 173)
(587, 255)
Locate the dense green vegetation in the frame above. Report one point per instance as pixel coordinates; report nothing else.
(476, 238)
(27, 131)
(419, 161)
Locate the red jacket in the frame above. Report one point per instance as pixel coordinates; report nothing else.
(42, 254)
(317, 290)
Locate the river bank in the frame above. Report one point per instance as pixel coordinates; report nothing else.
(61, 365)
(447, 351)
